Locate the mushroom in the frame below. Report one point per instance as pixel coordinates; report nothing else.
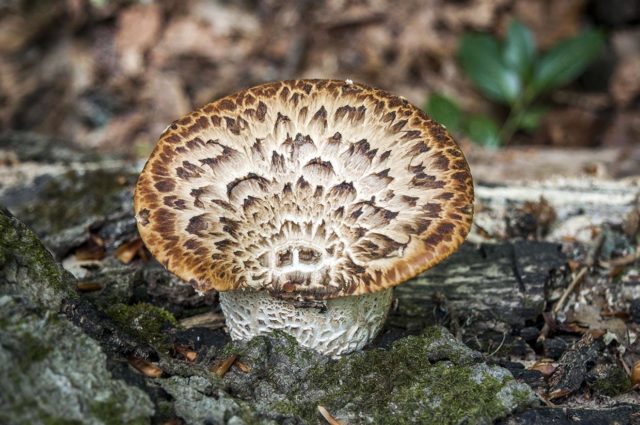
(304, 203)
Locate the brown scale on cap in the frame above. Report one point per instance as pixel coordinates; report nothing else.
(308, 189)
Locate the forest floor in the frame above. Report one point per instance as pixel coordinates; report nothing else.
(534, 320)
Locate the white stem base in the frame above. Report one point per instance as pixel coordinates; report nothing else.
(347, 324)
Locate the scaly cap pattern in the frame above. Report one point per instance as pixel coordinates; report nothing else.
(308, 189)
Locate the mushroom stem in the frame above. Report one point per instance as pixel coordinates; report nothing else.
(345, 325)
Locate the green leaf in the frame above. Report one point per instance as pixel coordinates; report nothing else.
(566, 60)
(530, 119)
(519, 50)
(479, 55)
(483, 130)
(445, 111)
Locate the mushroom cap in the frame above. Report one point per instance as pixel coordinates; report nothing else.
(308, 189)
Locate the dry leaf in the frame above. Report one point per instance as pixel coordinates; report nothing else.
(544, 366)
(551, 21)
(146, 368)
(635, 373)
(128, 250)
(187, 353)
(593, 318)
(138, 29)
(571, 126)
(88, 286)
(543, 212)
(625, 81)
(242, 366)
(93, 249)
(573, 264)
(221, 367)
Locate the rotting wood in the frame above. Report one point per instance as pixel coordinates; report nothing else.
(578, 204)
(211, 320)
(98, 325)
(573, 365)
(589, 262)
(530, 163)
(490, 287)
(619, 413)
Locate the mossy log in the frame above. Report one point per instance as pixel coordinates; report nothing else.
(504, 282)
(485, 290)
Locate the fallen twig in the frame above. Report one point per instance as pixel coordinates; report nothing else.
(622, 261)
(221, 368)
(209, 320)
(546, 401)
(328, 416)
(624, 364)
(504, 337)
(589, 262)
(592, 255)
(88, 286)
(572, 286)
(243, 366)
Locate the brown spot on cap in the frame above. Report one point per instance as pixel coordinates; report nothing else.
(261, 111)
(165, 185)
(227, 105)
(197, 224)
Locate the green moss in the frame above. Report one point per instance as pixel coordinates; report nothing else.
(613, 382)
(412, 310)
(449, 396)
(144, 321)
(104, 410)
(247, 413)
(110, 412)
(164, 410)
(409, 383)
(33, 350)
(290, 348)
(43, 263)
(18, 243)
(69, 199)
(287, 345)
(522, 397)
(47, 420)
(286, 407)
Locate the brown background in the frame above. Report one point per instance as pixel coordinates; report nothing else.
(113, 74)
